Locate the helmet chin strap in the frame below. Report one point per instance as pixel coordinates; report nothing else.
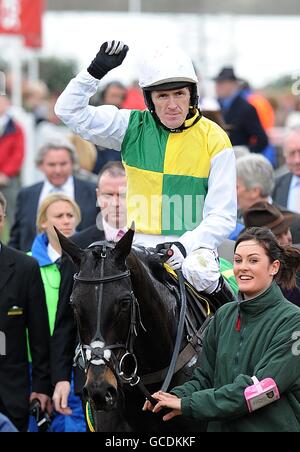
(183, 127)
(193, 109)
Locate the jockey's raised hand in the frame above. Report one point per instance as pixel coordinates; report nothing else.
(110, 55)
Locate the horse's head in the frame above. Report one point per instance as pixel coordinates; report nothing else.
(107, 315)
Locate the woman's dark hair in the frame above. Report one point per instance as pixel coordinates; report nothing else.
(287, 255)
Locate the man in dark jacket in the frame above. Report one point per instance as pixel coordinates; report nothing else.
(242, 121)
(56, 160)
(287, 187)
(22, 308)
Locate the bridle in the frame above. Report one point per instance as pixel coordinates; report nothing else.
(98, 353)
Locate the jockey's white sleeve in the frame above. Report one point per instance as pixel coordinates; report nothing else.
(105, 125)
(220, 206)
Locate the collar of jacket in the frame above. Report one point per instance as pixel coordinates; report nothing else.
(9, 128)
(39, 250)
(262, 302)
(226, 102)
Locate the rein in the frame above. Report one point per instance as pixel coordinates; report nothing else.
(179, 335)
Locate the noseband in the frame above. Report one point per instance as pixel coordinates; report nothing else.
(98, 353)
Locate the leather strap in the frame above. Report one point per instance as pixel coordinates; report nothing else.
(185, 356)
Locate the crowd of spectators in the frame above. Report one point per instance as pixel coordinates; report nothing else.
(75, 181)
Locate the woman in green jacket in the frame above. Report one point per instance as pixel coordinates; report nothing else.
(247, 344)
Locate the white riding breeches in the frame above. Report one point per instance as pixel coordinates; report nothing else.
(201, 269)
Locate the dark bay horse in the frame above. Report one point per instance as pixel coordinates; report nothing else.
(127, 319)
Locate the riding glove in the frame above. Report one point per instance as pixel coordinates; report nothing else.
(110, 55)
(179, 253)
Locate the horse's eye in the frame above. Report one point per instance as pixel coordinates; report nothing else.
(124, 304)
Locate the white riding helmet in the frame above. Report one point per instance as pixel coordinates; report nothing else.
(166, 64)
(167, 68)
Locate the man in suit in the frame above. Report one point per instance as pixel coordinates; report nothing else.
(22, 308)
(110, 225)
(287, 187)
(56, 160)
(255, 183)
(242, 121)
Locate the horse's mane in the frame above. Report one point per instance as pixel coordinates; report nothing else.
(152, 261)
(144, 260)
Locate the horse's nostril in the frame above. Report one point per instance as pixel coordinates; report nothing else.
(85, 393)
(103, 397)
(110, 397)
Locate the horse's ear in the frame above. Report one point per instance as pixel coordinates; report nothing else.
(70, 248)
(123, 247)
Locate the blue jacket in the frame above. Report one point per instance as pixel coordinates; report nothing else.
(6, 426)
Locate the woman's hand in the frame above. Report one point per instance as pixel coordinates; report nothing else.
(165, 400)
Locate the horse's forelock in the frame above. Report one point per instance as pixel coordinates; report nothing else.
(96, 252)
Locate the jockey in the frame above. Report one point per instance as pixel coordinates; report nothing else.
(180, 166)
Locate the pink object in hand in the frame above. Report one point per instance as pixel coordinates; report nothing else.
(261, 393)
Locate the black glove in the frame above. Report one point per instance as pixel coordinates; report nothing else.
(110, 55)
(176, 259)
(167, 245)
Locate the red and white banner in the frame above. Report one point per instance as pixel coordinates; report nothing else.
(22, 17)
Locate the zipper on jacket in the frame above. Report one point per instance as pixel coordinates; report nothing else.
(237, 358)
(238, 323)
(240, 330)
